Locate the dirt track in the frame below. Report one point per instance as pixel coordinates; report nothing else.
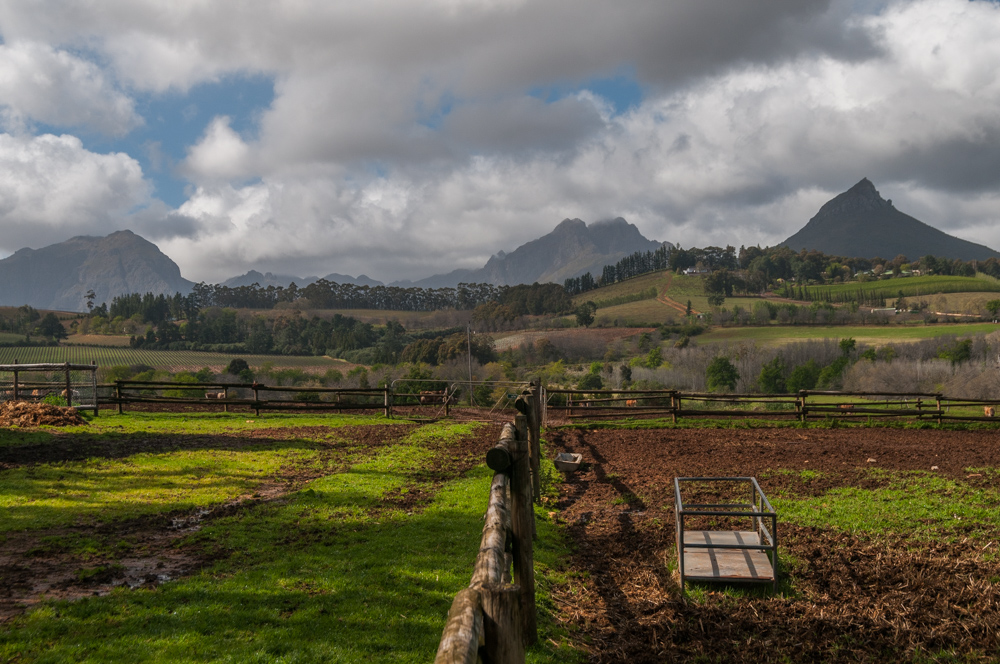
(875, 599)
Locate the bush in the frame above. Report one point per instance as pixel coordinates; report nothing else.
(804, 377)
(236, 366)
(54, 400)
(772, 376)
(591, 381)
(721, 375)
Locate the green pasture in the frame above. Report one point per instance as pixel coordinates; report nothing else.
(333, 572)
(650, 312)
(626, 288)
(910, 286)
(918, 504)
(868, 334)
(173, 360)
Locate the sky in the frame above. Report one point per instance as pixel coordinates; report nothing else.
(403, 139)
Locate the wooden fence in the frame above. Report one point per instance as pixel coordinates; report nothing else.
(228, 395)
(803, 405)
(258, 396)
(494, 619)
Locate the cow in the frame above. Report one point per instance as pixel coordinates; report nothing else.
(631, 403)
(989, 411)
(428, 397)
(65, 393)
(846, 406)
(215, 395)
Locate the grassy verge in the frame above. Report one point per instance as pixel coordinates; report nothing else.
(868, 334)
(917, 503)
(344, 570)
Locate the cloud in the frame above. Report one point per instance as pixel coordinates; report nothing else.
(41, 84)
(53, 189)
(220, 155)
(406, 139)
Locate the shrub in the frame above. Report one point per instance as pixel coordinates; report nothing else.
(804, 377)
(721, 375)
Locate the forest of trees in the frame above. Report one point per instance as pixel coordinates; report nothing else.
(200, 322)
(323, 294)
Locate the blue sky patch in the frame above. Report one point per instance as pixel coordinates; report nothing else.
(622, 90)
(175, 121)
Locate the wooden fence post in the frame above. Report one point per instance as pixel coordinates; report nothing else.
(534, 439)
(388, 406)
(502, 623)
(522, 518)
(802, 406)
(225, 399)
(93, 385)
(118, 396)
(15, 383)
(69, 389)
(256, 400)
(937, 398)
(675, 405)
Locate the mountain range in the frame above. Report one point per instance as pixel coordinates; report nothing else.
(859, 223)
(856, 223)
(59, 276)
(572, 249)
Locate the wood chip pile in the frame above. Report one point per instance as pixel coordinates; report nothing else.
(28, 414)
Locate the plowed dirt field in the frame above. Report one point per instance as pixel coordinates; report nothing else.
(847, 596)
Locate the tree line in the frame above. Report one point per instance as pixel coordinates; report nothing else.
(755, 269)
(323, 294)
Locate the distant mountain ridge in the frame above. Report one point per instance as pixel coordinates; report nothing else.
(860, 223)
(572, 249)
(59, 276)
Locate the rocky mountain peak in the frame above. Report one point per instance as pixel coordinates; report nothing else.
(860, 223)
(861, 198)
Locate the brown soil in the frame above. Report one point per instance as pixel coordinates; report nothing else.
(28, 414)
(852, 598)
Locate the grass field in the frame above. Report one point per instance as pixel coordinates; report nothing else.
(116, 340)
(910, 286)
(869, 334)
(355, 557)
(651, 312)
(656, 280)
(175, 360)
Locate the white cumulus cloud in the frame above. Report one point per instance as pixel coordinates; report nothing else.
(39, 83)
(53, 189)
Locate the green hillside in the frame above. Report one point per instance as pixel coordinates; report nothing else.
(777, 335)
(890, 288)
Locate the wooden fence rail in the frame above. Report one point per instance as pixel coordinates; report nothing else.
(494, 619)
(603, 404)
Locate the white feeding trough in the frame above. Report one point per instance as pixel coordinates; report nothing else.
(568, 461)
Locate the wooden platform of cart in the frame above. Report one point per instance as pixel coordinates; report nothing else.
(723, 564)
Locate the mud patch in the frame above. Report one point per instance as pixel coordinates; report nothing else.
(852, 598)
